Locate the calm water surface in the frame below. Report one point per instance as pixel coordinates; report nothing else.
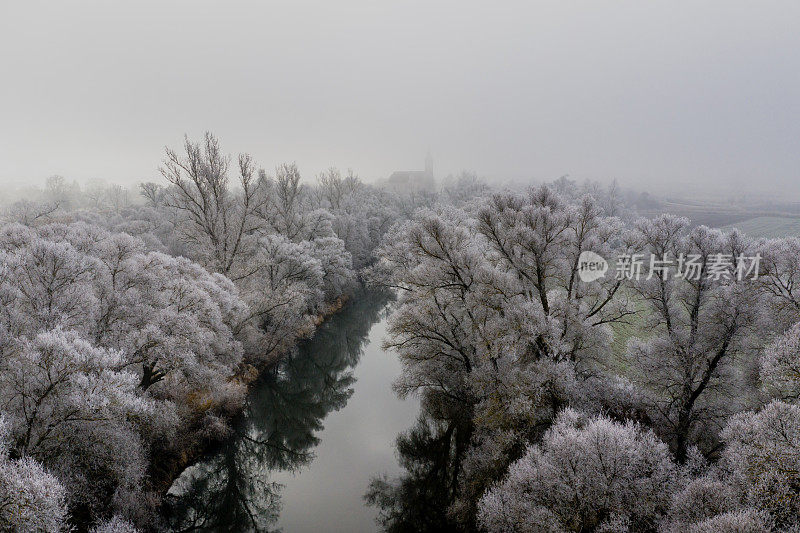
(314, 432)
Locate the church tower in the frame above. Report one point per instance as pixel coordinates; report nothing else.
(429, 165)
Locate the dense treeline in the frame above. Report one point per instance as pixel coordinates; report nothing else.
(534, 419)
(129, 329)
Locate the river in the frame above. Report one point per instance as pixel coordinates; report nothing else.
(316, 428)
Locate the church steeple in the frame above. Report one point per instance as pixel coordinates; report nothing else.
(429, 164)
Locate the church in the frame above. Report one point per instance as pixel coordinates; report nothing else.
(414, 180)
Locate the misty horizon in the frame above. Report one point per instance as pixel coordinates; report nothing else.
(431, 266)
(655, 96)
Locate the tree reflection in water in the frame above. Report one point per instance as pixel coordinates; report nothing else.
(232, 490)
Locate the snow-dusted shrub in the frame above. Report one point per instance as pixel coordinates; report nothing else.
(587, 470)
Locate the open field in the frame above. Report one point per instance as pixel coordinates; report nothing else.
(714, 215)
(719, 215)
(755, 220)
(768, 226)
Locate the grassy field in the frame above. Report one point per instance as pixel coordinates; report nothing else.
(632, 327)
(622, 334)
(754, 224)
(712, 215)
(756, 221)
(768, 226)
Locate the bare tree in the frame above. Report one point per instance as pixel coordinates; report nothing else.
(284, 212)
(118, 196)
(700, 323)
(31, 213)
(57, 191)
(336, 188)
(217, 218)
(153, 193)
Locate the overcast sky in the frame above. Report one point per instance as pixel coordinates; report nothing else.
(643, 91)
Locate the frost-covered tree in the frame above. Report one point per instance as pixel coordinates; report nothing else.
(493, 325)
(780, 275)
(700, 313)
(168, 316)
(780, 366)
(44, 284)
(283, 285)
(59, 192)
(69, 408)
(56, 382)
(237, 231)
(337, 266)
(440, 330)
(504, 286)
(743, 521)
(217, 219)
(360, 214)
(587, 474)
(288, 194)
(30, 212)
(105, 348)
(463, 188)
(287, 211)
(31, 499)
(153, 193)
(338, 190)
(445, 326)
(537, 240)
(762, 454)
(114, 525)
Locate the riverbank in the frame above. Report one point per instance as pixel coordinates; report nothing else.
(192, 446)
(316, 429)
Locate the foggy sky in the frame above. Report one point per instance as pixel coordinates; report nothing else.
(646, 92)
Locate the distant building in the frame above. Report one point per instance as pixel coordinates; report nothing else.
(414, 180)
